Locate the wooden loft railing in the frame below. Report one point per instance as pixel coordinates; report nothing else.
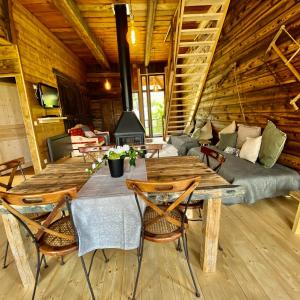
(194, 34)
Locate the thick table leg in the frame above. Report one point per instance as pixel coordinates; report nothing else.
(210, 234)
(296, 225)
(18, 246)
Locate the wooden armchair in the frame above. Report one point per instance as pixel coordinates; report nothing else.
(220, 159)
(57, 235)
(11, 165)
(210, 153)
(163, 223)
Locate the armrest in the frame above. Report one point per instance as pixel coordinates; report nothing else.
(12, 163)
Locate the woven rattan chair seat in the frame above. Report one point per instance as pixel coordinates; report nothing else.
(53, 245)
(39, 217)
(161, 228)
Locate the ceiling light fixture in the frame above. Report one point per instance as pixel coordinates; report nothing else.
(132, 29)
(107, 85)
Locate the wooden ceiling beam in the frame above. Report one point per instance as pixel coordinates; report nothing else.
(151, 7)
(71, 12)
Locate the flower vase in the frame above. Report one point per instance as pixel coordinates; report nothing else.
(116, 167)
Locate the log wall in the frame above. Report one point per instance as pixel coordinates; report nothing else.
(40, 51)
(13, 141)
(3, 19)
(249, 28)
(105, 106)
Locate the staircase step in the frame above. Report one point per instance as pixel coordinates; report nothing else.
(177, 122)
(183, 91)
(178, 117)
(199, 31)
(177, 127)
(187, 83)
(181, 110)
(181, 66)
(196, 43)
(203, 2)
(202, 17)
(205, 54)
(182, 98)
(187, 74)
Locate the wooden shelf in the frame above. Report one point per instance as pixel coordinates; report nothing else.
(51, 119)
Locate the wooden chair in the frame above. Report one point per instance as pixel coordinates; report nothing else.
(210, 153)
(220, 159)
(163, 223)
(12, 166)
(91, 151)
(57, 235)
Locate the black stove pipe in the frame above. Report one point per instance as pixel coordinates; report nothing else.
(124, 57)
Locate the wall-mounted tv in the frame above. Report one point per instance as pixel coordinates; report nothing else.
(47, 96)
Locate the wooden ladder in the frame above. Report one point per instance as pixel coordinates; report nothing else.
(194, 33)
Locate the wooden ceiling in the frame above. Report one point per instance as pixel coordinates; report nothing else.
(100, 19)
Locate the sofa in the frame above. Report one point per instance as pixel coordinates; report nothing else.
(259, 182)
(81, 135)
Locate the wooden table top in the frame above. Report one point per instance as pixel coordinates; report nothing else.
(61, 176)
(55, 177)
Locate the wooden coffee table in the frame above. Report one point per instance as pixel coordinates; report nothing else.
(296, 225)
(152, 148)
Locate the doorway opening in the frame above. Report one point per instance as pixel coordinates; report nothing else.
(153, 101)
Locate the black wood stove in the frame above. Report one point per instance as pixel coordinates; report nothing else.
(129, 129)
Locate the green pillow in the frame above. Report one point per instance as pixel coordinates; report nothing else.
(272, 145)
(196, 133)
(227, 140)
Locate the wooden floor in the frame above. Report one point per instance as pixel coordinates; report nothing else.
(260, 259)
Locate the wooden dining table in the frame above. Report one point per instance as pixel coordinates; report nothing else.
(212, 189)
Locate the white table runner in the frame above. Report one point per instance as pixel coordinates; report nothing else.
(105, 212)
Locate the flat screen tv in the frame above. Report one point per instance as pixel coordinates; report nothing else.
(47, 96)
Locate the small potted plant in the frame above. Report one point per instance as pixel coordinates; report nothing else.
(115, 157)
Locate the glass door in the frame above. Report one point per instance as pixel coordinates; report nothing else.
(153, 86)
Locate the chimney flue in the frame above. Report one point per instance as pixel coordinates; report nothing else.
(124, 57)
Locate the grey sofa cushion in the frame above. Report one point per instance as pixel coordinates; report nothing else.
(260, 182)
(183, 143)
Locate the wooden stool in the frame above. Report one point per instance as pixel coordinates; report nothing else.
(296, 226)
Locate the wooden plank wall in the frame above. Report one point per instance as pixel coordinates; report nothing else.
(249, 27)
(3, 18)
(13, 141)
(40, 51)
(105, 106)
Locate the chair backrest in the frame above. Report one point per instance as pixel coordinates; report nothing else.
(184, 187)
(210, 153)
(13, 166)
(59, 198)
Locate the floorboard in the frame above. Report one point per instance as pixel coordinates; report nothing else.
(259, 260)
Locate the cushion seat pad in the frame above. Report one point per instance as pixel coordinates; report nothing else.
(259, 182)
(182, 143)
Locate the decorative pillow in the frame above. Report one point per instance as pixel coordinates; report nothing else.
(250, 149)
(76, 132)
(227, 140)
(89, 134)
(195, 135)
(206, 132)
(232, 151)
(188, 128)
(272, 144)
(229, 129)
(245, 131)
